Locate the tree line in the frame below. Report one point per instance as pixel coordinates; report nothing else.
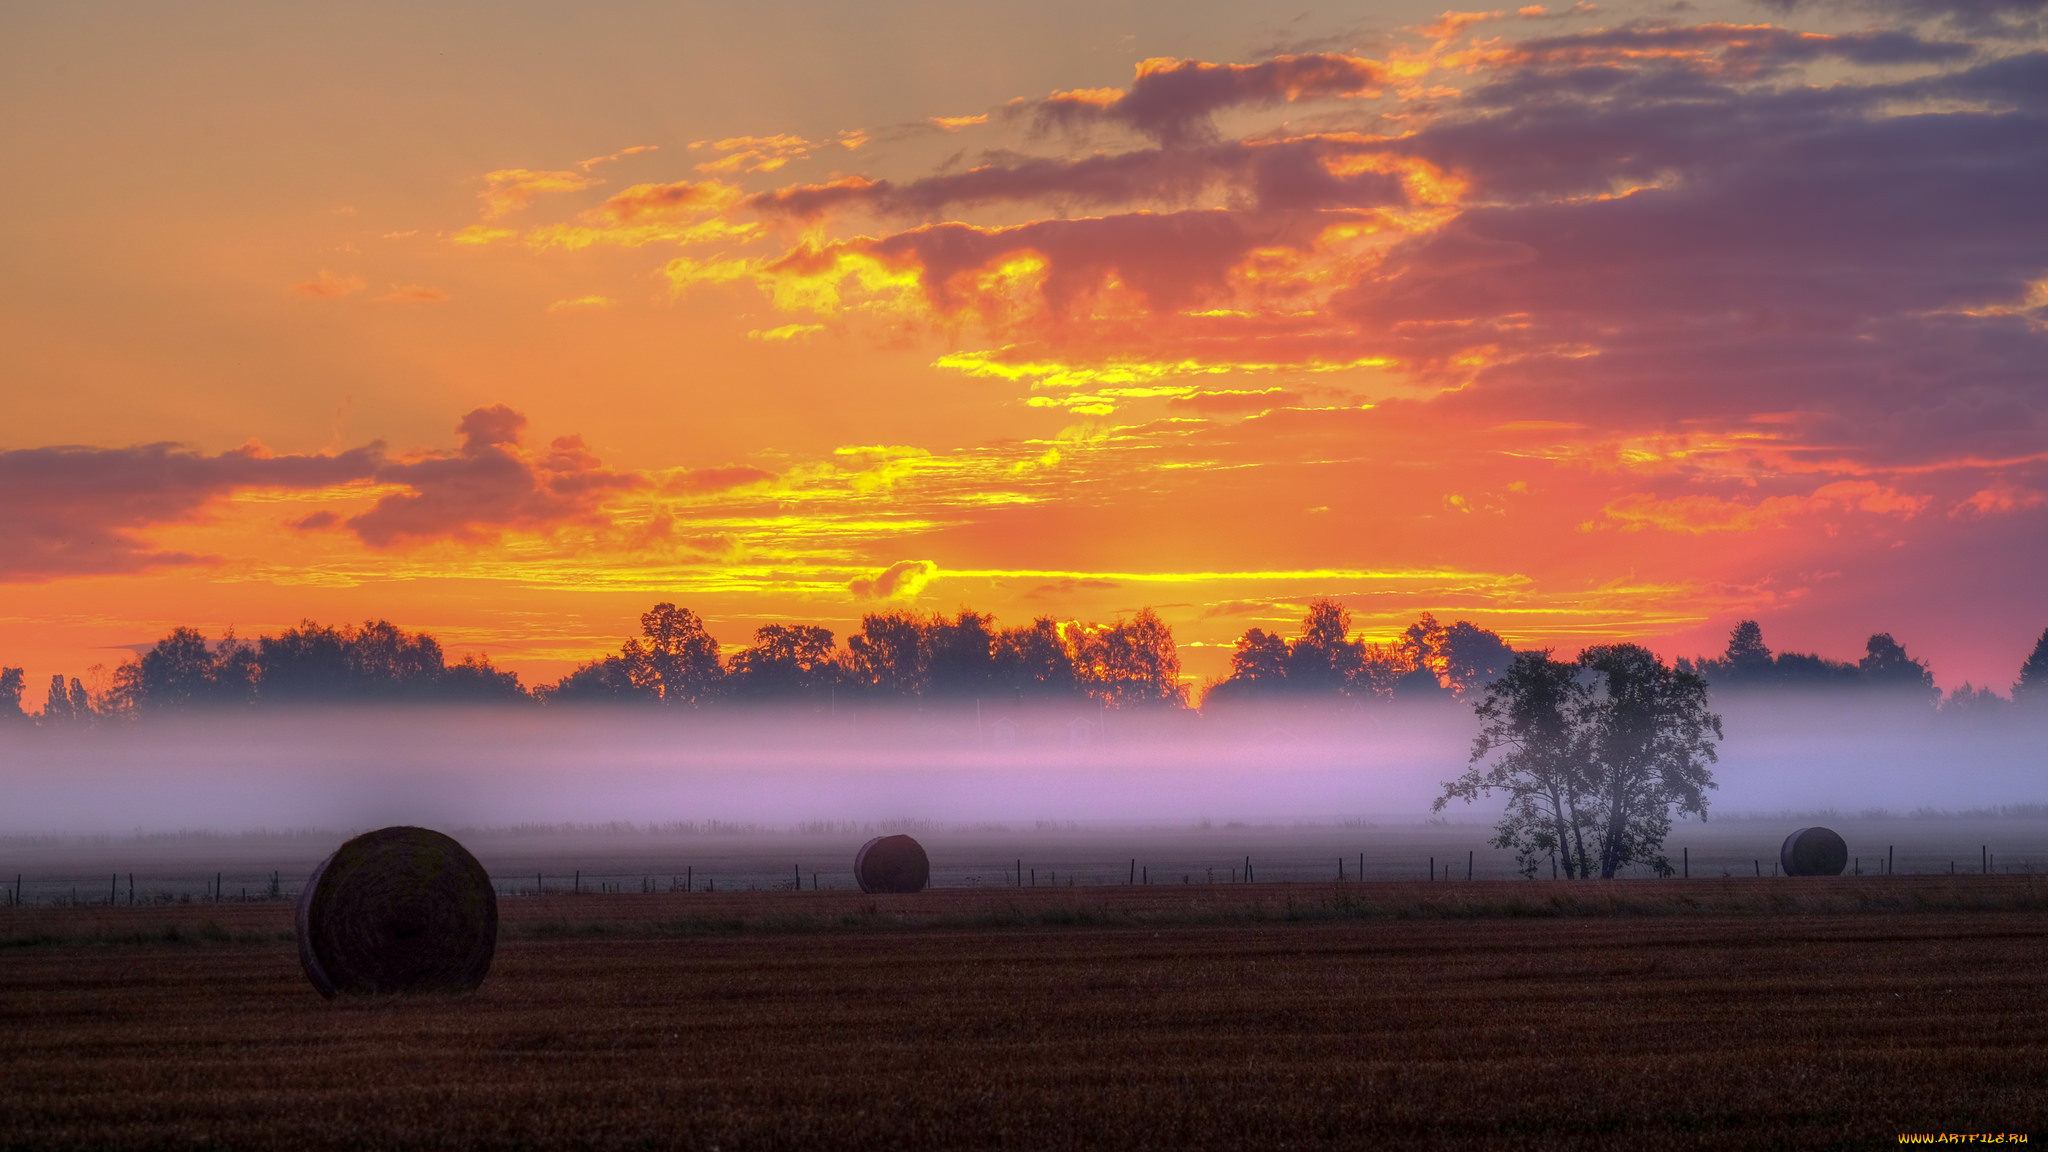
(1748, 664)
(895, 656)
(910, 656)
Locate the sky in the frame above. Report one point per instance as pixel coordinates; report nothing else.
(506, 321)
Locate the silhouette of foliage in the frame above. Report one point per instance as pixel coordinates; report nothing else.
(1430, 661)
(2032, 687)
(12, 681)
(786, 661)
(1130, 664)
(895, 656)
(67, 705)
(1749, 664)
(1594, 757)
(311, 663)
(1885, 665)
(678, 662)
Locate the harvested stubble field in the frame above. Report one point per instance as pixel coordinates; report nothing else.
(1649, 1014)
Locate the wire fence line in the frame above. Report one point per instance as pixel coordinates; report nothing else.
(243, 885)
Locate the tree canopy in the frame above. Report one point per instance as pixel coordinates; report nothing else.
(1594, 756)
(1324, 661)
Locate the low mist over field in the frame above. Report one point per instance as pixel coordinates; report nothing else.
(355, 768)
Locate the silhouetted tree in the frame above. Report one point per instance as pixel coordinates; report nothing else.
(304, 664)
(1652, 739)
(1430, 661)
(1323, 659)
(1037, 661)
(1967, 700)
(679, 654)
(1464, 656)
(1258, 668)
(1885, 665)
(67, 705)
(475, 680)
(891, 654)
(609, 679)
(177, 673)
(12, 682)
(1594, 757)
(1747, 651)
(1532, 727)
(1749, 664)
(961, 655)
(2032, 686)
(785, 661)
(1131, 663)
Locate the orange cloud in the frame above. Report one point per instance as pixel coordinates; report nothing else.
(489, 486)
(1698, 515)
(412, 294)
(1999, 499)
(510, 189)
(327, 286)
(899, 581)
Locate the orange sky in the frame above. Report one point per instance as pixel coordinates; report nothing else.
(1579, 324)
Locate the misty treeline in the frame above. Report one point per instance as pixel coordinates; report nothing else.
(908, 656)
(1428, 661)
(895, 656)
(1749, 665)
(309, 664)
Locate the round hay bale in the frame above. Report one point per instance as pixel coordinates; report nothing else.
(1814, 852)
(892, 864)
(397, 910)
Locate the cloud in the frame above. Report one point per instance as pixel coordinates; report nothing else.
(685, 211)
(704, 481)
(1999, 499)
(491, 485)
(583, 304)
(784, 333)
(412, 294)
(1069, 586)
(510, 189)
(1173, 101)
(635, 150)
(75, 511)
(1701, 514)
(327, 286)
(1232, 402)
(899, 581)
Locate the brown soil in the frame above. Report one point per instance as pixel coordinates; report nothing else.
(1646, 1015)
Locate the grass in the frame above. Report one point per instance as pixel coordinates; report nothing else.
(643, 916)
(1707, 1014)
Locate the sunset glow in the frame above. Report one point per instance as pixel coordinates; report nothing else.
(1586, 324)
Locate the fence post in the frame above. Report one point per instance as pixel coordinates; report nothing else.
(1432, 868)
(1134, 870)
(1984, 860)
(1759, 868)
(1468, 863)
(1888, 850)
(1688, 862)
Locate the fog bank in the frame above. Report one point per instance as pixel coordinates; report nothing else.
(361, 768)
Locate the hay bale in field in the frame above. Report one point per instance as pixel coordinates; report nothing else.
(892, 864)
(397, 910)
(1814, 852)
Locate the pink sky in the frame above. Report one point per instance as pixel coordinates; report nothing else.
(1608, 322)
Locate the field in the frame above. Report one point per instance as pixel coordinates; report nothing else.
(1667, 1014)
